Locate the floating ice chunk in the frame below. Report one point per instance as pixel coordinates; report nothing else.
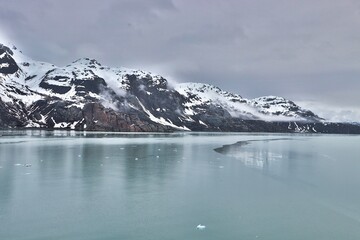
(136, 159)
(221, 166)
(157, 156)
(201, 227)
(17, 164)
(79, 156)
(27, 173)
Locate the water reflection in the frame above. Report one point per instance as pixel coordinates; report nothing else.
(282, 159)
(261, 157)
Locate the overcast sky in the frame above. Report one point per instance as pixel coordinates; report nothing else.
(304, 50)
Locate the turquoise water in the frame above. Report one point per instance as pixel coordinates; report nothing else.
(67, 185)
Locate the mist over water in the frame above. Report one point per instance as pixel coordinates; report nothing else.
(69, 185)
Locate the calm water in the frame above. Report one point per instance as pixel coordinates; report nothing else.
(116, 186)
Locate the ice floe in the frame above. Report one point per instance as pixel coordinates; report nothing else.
(201, 227)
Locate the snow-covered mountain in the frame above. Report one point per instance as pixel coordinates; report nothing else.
(199, 96)
(88, 95)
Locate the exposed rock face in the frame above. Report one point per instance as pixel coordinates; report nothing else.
(7, 63)
(9, 117)
(88, 96)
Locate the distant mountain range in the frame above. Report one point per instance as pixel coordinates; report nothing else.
(85, 95)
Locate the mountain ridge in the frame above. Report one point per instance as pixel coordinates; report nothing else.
(85, 95)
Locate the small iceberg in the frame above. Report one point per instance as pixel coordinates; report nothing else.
(201, 227)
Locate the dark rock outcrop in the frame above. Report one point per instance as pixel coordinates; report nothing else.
(7, 63)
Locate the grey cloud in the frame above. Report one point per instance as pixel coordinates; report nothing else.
(301, 49)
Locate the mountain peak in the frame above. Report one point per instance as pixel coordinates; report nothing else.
(8, 47)
(14, 52)
(7, 63)
(87, 62)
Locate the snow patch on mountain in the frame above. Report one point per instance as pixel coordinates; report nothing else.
(161, 120)
(264, 108)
